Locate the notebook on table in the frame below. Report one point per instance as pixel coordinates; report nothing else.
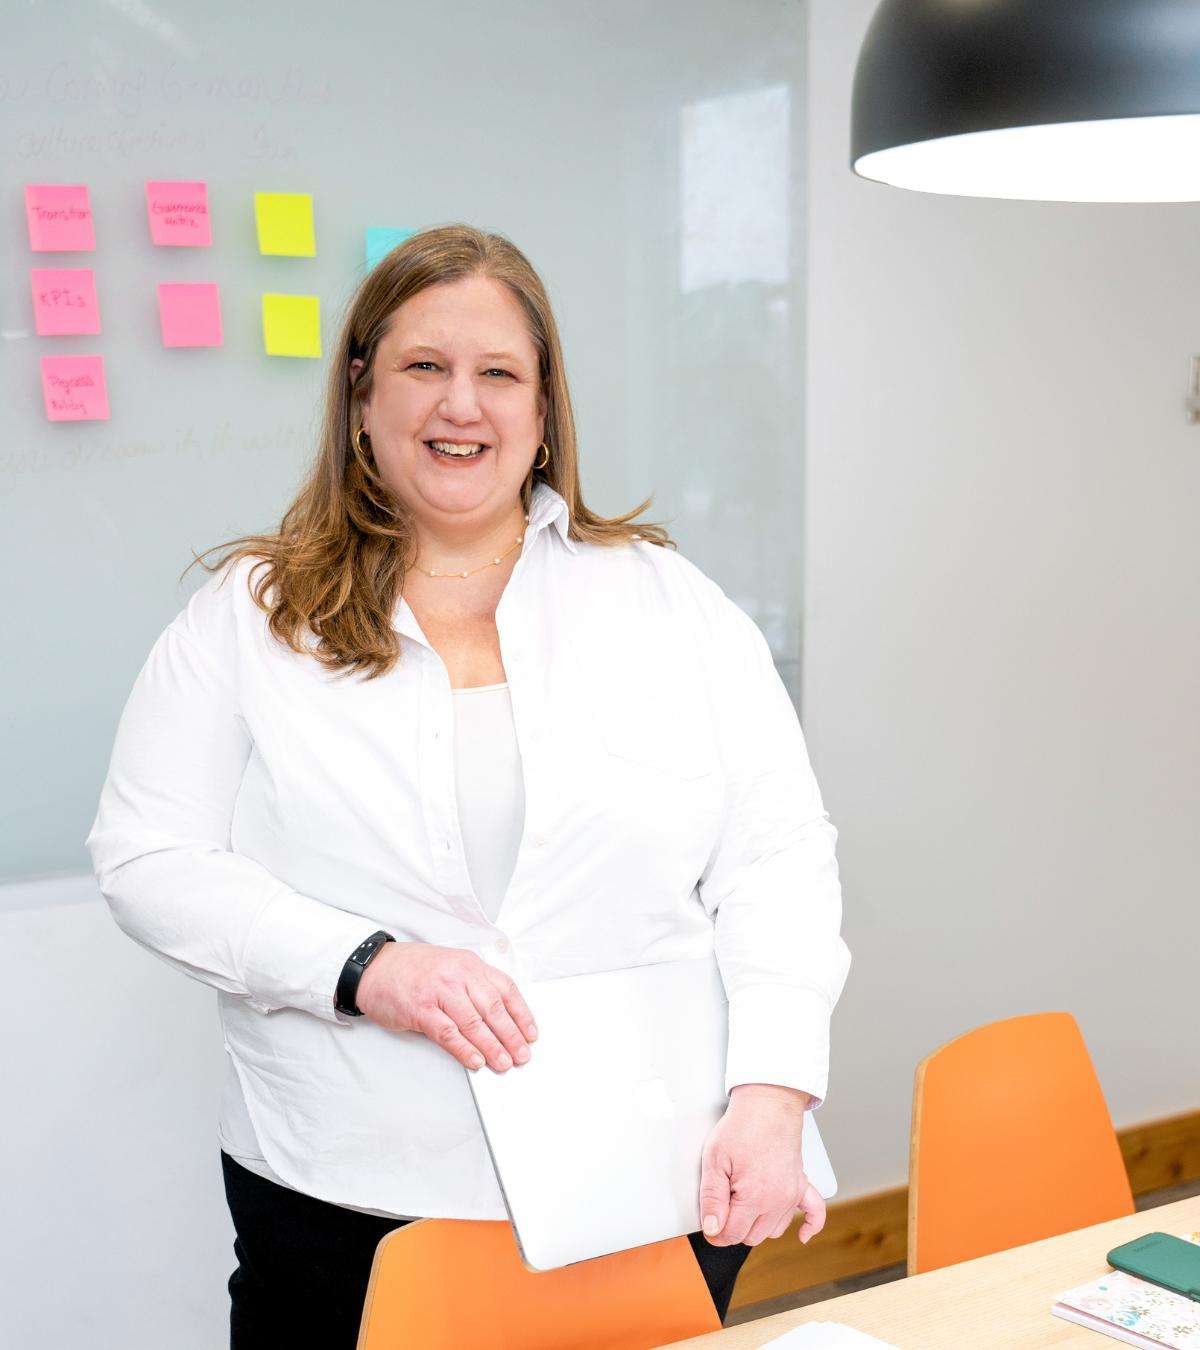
(1134, 1311)
(597, 1140)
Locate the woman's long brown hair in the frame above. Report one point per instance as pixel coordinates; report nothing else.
(337, 563)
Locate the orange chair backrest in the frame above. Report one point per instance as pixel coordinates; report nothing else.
(1011, 1142)
(460, 1284)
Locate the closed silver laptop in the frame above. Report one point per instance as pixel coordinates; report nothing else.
(597, 1140)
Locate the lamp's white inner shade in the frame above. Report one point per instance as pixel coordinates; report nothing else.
(1128, 159)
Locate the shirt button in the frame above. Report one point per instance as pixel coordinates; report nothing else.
(502, 944)
(538, 840)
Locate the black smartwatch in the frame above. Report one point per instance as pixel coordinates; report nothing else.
(346, 995)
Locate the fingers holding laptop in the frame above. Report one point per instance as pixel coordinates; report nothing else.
(730, 1216)
(452, 996)
(752, 1177)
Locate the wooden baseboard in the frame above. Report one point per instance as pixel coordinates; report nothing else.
(1162, 1153)
(871, 1231)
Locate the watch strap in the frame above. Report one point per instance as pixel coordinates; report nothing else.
(345, 998)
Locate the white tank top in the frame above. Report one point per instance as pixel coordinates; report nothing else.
(491, 811)
(490, 789)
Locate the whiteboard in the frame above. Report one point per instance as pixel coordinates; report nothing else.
(648, 159)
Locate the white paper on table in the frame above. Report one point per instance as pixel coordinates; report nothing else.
(827, 1336)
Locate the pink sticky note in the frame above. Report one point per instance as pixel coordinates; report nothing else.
(190, 314)
(73, 388)
(64, 300)
(179, 214)
(59, 217)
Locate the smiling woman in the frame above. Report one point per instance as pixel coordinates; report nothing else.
(367, 867)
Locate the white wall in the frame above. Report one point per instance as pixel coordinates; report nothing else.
(1002, 659)
(115, 1233)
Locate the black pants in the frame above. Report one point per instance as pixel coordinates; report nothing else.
(304, 1264)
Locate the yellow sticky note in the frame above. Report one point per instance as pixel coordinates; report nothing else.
(285, 224)
(291, 325)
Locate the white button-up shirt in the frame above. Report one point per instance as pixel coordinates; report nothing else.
(262, 815)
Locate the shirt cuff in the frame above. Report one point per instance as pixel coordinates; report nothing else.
(779, 1034)
(295, 954)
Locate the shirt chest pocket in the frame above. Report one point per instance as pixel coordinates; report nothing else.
(648, 747)
(653, 717)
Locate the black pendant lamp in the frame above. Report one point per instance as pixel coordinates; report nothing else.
(1042, 100)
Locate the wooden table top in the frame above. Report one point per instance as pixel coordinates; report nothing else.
(997, 1302)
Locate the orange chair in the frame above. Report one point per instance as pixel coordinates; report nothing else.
(1011, 1142)
(459, 1284)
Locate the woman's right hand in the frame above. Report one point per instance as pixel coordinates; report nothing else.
(472, 1010)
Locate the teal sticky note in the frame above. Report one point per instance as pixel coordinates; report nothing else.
(381, 239)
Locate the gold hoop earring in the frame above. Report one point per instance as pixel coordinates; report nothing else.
(358, 441)
(544, 462)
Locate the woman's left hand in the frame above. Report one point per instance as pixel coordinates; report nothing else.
(753, 1172)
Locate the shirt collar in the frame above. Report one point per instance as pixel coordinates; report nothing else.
(548, 507)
